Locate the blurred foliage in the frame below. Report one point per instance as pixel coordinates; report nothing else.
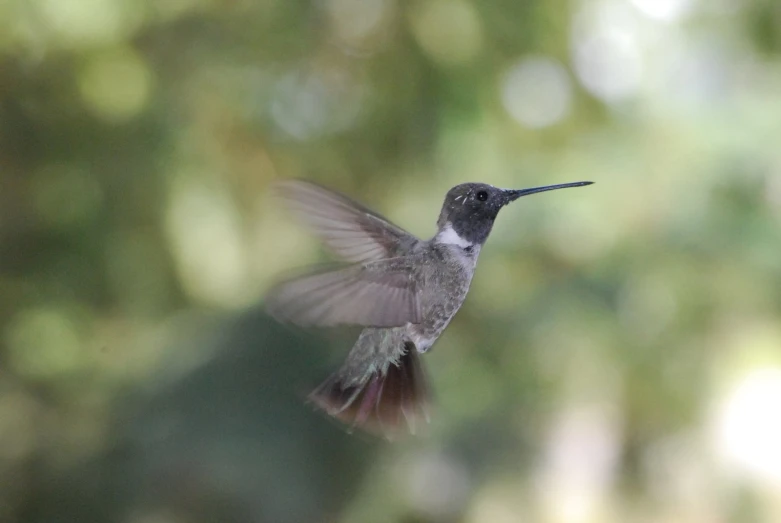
(619, 356)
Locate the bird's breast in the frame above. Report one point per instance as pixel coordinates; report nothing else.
(443, 290)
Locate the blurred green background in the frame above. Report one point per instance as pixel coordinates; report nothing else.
(618, 358)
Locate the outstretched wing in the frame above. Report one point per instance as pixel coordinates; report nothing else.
(376, 294)
(349, 229)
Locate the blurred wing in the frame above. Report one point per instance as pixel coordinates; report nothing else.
(379, 294)
(349, 229)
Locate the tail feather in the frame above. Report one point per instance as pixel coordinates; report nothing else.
(387, 403)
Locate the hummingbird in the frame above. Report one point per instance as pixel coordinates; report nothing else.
(401, 289)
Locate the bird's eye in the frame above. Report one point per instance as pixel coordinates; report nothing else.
(482, 196)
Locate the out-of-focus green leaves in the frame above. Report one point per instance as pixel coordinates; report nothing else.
(618, 356)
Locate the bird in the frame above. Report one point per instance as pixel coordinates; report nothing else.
(402, 290)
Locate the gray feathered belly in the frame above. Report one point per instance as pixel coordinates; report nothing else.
(424, 335)
(444, 284)
(376, 348)
(437, 314)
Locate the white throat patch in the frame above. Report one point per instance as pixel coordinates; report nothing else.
(450, 237)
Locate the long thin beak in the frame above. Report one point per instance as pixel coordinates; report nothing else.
(514, 194)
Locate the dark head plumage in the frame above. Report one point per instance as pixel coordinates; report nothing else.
(471, 208)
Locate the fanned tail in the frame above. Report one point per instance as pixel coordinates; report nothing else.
(388, 403)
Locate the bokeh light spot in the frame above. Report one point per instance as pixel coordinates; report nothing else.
(207, 244)
(665, 10)
(537, 92)
(82, 23)
(437, 485)
(310, 104)
(116, 84)
(449, 31)
(748, 427)
(609, 66)
(43, 342)
(356, 21)
(607, 50)
(583, 451)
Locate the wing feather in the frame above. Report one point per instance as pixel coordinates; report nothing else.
(377, 294)
(352, 231)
